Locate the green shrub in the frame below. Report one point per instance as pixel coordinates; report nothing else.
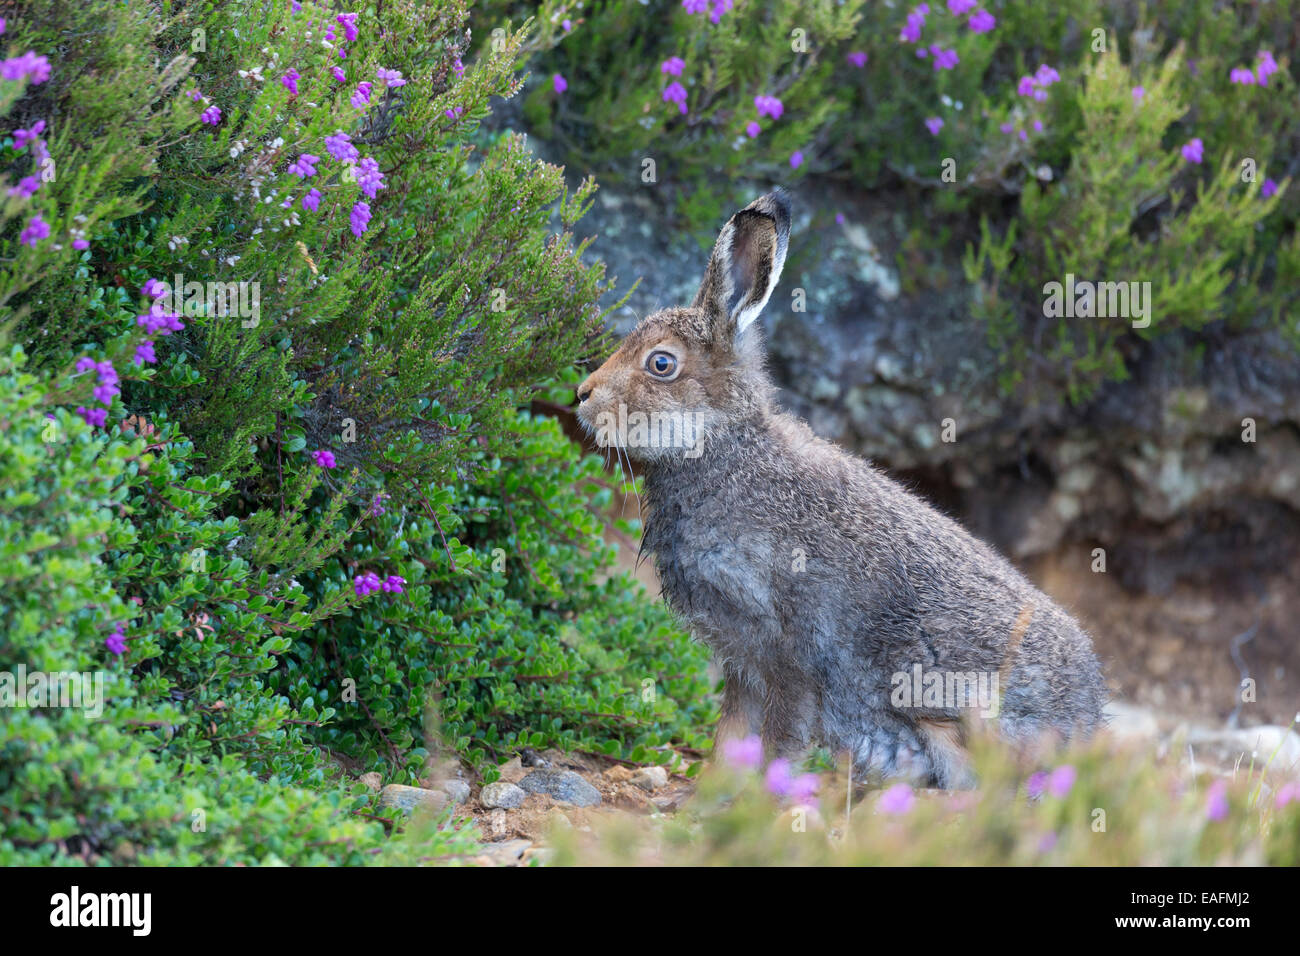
(200, 528)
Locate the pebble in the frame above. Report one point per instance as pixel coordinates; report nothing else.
(456, 790)
(408, 798)
(565, 785)
(501, 794)
(651, 778)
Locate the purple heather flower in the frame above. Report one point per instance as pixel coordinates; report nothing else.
(1266, 67)
(158, 322)
(370, 178)
(1022, 136)
(35, 230)
(323, 458)
(144, 353)
(94, 417)
(349, 22)
(719, 7)
(944, 59)
(803, 787)
(934, 124)
(1243, 75)
(857, 58)
(695, 6)
(1046, 76)
(360, 218)
(153, 288)
(393, 584)
(211, 115)
(897, 800)
(839, 219)
(364, 584)
(2, 26)
(26, 187)
(290, 80)
(1138, 93)
(958, 7)
(1007, 128)
(458, 66)
(1267, 188)
(567, 24)
(1216, 801)
(454, 112)
(673, 66)
(911, 33)
(390, 78)
(1038, 126)
(1287, 793)
(194, 94)
(85, 364)
(559, 83)
(80, 244)
(981, 21)
(116, 641)
(1036, 785)
(674, 92)
(746, 753)
(1060, 780)
(361, 95)
(24, 136)
(921, 53)
(30, 65)
(769, 106)
(339, 75)
(753, 129)
(796, 159)
(339, 145)
(311, 200)
(377, 506)
(1047, 842)
(778, 777)
(1193, 150)
(305, 166)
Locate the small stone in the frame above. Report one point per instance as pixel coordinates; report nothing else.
(408, 798)
(372, 781)
(651, 778)
(456, 790)
(501, 794)
(506, 853)
(563, 785)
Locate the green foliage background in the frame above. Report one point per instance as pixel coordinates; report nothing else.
(196, 519)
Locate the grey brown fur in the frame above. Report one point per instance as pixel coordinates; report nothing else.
(812, 576)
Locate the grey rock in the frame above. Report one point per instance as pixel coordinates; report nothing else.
(650, 778)
(408, 798)
(563, 785)
(501, 794)
(456, 790)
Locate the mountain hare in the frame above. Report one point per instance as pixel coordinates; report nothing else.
(842, 609)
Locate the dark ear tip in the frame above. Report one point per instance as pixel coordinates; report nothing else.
(775, 205)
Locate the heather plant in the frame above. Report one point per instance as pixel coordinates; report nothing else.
(266, 341)
(1003, 125)
(1098, 804)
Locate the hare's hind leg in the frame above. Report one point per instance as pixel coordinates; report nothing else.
(742, 709)
(950, 767)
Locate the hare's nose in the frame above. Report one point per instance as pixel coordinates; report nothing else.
(585, 390)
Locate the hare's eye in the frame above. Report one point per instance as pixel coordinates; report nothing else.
(661, 364)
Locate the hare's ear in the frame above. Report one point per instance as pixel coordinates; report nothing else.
(745, 265)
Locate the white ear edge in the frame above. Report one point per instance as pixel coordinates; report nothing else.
(744, 317)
